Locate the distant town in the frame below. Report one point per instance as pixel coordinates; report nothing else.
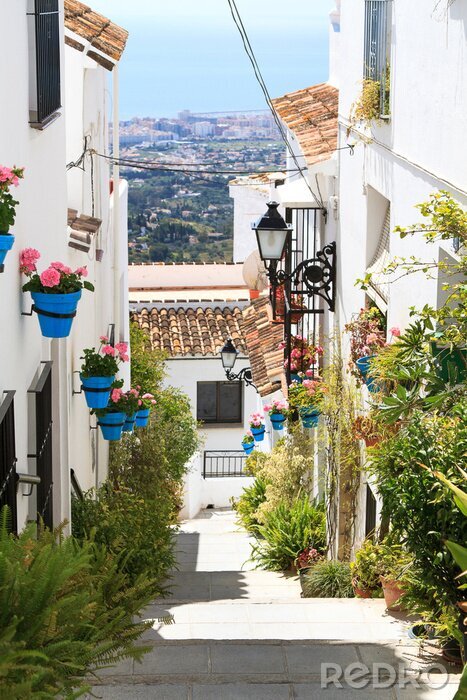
(179, 204)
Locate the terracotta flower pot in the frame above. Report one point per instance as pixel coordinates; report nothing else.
(392, 590)
(361, 592)
(371, 442)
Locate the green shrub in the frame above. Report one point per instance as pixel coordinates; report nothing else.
(287, 531)
(328, 579)
(248, 503)
(65, 610)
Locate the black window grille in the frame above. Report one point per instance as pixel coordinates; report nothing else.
(44, 46)
(42, 391)
(220, 402)
(8, 457)
(370, 512)
(377, 48)
(223, 463)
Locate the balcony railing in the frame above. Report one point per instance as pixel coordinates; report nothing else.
(8, 457)
(377, 48)
(223, 463)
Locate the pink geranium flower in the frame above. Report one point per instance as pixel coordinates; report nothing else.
(104, 339)
(27, 260)
(108, 350)
(395, 331)
(116, 395)
(124, 358)
(81, 271)
(50, 277)
(148, 396)
(122, 348)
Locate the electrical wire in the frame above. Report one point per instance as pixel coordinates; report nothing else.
(259, 77)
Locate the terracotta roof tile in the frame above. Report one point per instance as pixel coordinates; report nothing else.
(262, 338)
(104, 35)
(311, 114)
(191, 331)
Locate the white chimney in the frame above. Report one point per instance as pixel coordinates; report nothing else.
(334, 43)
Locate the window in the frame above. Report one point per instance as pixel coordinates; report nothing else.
(377, 48)
(370, 512)
(42, 392)
(44, 62)
(220, 402)
(8, 457)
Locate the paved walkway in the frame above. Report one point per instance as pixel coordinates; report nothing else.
(241, 634)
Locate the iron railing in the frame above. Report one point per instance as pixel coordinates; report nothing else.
(45, 60)
(8, 458)
(377, 48)
(44, 454)
(223, 463)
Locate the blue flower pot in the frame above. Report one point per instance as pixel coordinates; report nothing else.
(6, 244)
(97, 390)
(248, 447)
(55, 312)
(129, 423)
(296, 378)
(309, 417)
(277, 421)
(142, 417)
(258, 433)
(363, 365)
(111, 425)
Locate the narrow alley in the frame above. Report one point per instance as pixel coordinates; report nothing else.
(244, 634)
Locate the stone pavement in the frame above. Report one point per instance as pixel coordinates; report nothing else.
(243, 634)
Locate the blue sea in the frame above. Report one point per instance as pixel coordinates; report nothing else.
(185, 65)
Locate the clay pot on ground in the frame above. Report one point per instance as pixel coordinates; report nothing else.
(361, 592)
(393, 591)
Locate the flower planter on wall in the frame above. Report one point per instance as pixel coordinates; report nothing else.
(129, 424)
(258, 433)
(363, 365)
(97, 390)
(55, 312)
(309, 416)
(6, 244)
(142, 417)
(111, 425)
(277, 421)
(248, 447)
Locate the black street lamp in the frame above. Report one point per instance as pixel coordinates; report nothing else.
(229, 356)
(313, 277)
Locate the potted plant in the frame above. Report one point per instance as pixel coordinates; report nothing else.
(55, 293)
(257, 428)
(99, 369)
(145, 403)
(248, 442)
(367, 429)
(393, 564)
(365, 571)
(112, 418)
(367, 336)
(306, 398)
(305, 560)
(9, 177)
(129, 402)
(277, 411)
(302, 356)
(297, 307)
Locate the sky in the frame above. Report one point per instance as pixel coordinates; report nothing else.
(183, 54)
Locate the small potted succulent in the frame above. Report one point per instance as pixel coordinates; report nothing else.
(306, 398)
(257, 428)
(145, 403)
(99, 369)
(277, 410)
(55, 293)
(248, 442)
(367, 335)
(9, 177)
(365, 571)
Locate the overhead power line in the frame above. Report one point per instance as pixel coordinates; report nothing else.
(259, 77)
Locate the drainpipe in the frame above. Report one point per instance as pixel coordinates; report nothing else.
(116, 204)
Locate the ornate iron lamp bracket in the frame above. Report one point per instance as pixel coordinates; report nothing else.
(243, 376)
(313, 277)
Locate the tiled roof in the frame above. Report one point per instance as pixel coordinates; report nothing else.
(262, 338)
(82, 229)
(258, 179)
(311, 114)
(192, 331)
(104, 35)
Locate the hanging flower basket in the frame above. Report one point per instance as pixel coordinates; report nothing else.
(130, 420)
(257, 428)
(309, 416)
(6, 244)
(248, 447)
(297, 309)
(258, 433)
(9, 177)
(97, 390)
(277, 421)
(55, 293)
(99, 369)
(142, 417)
(111, 425)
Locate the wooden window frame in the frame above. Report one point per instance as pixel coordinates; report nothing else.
(219, 420)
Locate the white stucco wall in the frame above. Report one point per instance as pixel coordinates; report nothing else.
(249, 205)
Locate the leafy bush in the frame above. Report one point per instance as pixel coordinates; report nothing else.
(365, 569)
(248, 503)
(65, 611)
(328, 579)
(287, 531)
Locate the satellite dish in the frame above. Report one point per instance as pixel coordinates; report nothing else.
(254, 272)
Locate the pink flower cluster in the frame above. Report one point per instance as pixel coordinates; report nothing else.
(302, 354)
(276, 406)
(116, 395)
(10, 176)
(27, 260)
(119, 350)
(314, 386)
(256, 419)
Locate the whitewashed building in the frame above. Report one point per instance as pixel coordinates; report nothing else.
(56, 99)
